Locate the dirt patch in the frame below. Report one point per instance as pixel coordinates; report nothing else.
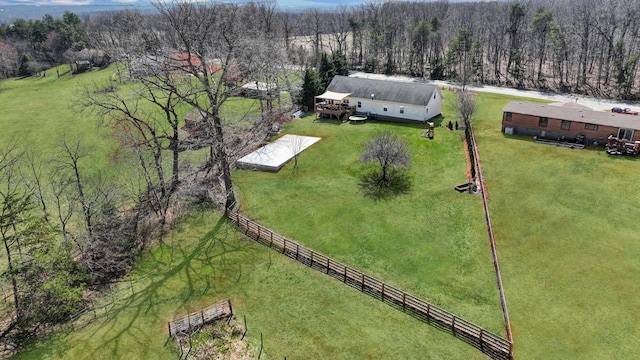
(221, 340)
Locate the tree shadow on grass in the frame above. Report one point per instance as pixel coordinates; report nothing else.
(174, 280)
(397, 183)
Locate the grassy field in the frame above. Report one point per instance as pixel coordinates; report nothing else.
(430, 241)
(564, 220)
(42, 112)
(568, 235)
(203, 261)
(300, 312)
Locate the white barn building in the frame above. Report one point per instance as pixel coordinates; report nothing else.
(380, 99)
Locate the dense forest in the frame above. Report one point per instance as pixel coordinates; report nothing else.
(588, 47)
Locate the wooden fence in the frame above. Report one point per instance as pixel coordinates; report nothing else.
(487, 342)
(194, 321)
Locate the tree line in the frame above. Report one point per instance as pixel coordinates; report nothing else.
(588, 47)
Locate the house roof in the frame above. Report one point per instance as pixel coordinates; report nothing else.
(392, 91)
(576, 114)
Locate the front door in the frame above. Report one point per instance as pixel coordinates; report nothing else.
(625, 134)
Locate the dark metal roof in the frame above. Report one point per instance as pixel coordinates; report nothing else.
(574, 114)
(383, 90)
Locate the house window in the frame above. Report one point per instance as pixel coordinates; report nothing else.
(508, 116)
(359, 104)
(625, 134)
(591, 127)
(566, 125)
(346, 101)
(385, 108)
(434, 95)
(544, 121)
(401, 109)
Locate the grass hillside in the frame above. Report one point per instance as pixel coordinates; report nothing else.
(42, 112)
(564, 220)
(298, 311)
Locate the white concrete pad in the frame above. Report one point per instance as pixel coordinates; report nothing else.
(273, 156)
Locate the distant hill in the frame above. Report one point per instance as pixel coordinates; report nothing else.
(10, 10)
(9, 13)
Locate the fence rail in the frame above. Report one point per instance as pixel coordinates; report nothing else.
(196, 320)
(487, 342)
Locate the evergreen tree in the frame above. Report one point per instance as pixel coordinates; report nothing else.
(311, 87)
(340, 65)
(327, 70)
(25, 68)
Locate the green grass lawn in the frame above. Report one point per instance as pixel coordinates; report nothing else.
(300, 312)
(430, 242)
(42, 112)
(568, 236)
(203, 261)
(564, 220)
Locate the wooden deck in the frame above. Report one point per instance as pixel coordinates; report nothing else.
(339, 111)
(195, 321)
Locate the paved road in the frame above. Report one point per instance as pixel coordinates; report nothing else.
(595, 104)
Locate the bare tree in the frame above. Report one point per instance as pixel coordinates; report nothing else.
(207, 55)
(466, 108)
(388, 151)
(15, 203)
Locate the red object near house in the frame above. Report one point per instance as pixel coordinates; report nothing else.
(627, 111)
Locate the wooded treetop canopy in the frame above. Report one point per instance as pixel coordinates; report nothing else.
(415, 93)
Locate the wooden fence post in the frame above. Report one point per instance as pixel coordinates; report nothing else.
(284, 245)
(189, 321)
(328, 264)
(345, 273)
(311, 263)
(481, 340)
(169, 323)
(453, 324)
(297, 250)
(271, 240)
(382, 291)
(404, 301)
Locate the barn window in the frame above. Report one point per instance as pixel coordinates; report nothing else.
(359, 104)
(508, 117)
(591, 127)
(566, 125)
(401, 109)
(434, 95)
(385, 108)
(544, 122)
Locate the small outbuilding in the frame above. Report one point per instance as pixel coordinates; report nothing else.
(568, 121)
(379, 99)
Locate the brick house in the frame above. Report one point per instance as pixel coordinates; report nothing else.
(568, 121)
